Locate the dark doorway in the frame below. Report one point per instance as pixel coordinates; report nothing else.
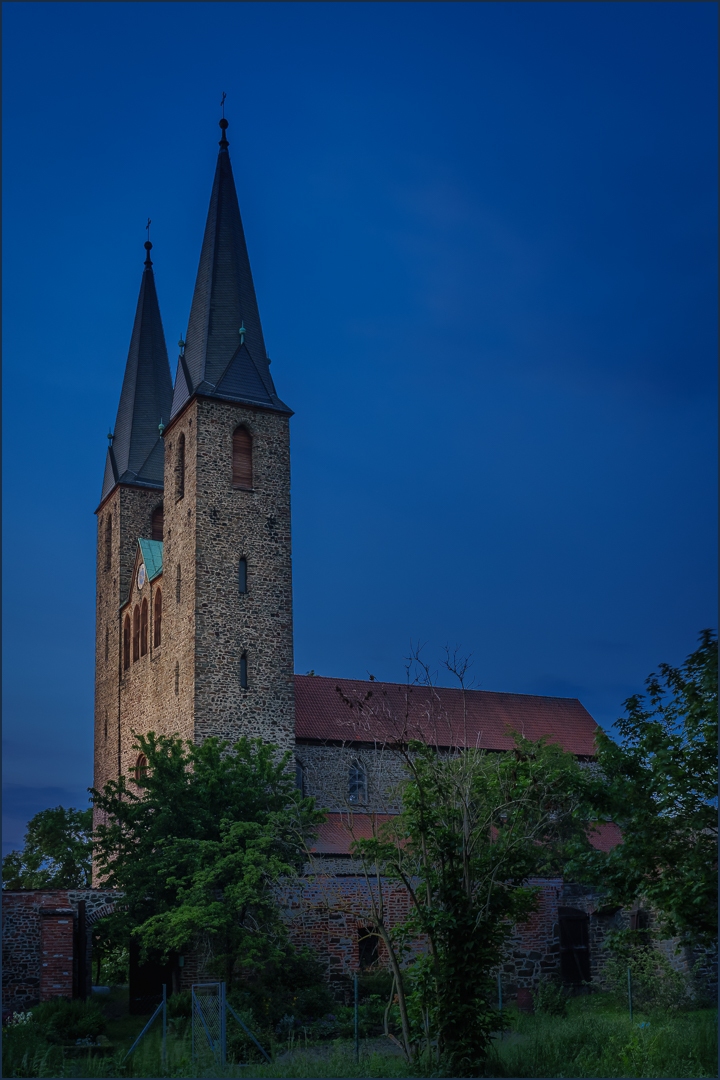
(574, 946)
(367, 948)
(146, 980)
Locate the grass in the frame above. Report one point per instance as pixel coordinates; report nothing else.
(595, 1039)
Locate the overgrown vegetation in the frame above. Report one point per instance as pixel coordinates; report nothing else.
(57, 853)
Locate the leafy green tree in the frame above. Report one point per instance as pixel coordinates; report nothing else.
(197, 844)
(475, 827)
(57, 852)
(659, 785)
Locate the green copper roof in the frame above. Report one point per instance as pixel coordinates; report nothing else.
(152, 552)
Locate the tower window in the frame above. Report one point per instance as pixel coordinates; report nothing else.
(107, 643)
(242, 576)
(299, 777)
(136, 633)
(242, 471)
(357, 784)
(126, 643)
(144, 628)
(178, 584)
(157, 618)
(141, 769)
(156, 525)
(180, 469)
(244, 671)
(177, 677)
(106, 725)
(108, 542)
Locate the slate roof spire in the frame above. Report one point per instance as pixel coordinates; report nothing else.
(135, 454)
(225, 354)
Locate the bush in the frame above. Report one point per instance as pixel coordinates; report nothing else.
(551, 998)
(655, 983)
(62, 1021)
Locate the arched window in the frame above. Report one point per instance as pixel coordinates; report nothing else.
(180, 469)
(144, 628)
(242, 576)
(244, 671)
(157, 618)
(242, 472)
(178, 584)
(177, 677)
(136, 633)
(156, 525)
(108, 542)
(357, 784)
(141, 768)
(126, 643)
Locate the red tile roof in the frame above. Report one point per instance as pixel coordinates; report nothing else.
(354, 710)
(338, 831)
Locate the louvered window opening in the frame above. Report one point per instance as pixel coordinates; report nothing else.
(126, 643)
(107, 643)
(242, 576)
(244, 671)
(136, 633)
(242, 471)
(357, 784)
(178, 584)
(180, 469)
(156, 528)
(144, 628)
(108, 542)
(157, 619)
(177, 677)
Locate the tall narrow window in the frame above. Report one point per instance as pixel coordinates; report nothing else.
(144, 628)
(242, 576)
(242, 472)
(178, 584)
(299, 777)
(157, 619)
(177, 677)
(108, 542)
(357, 784)
(156, 524)
(180, 469)
(136, 633)
(243, 671)
(106, 725)
(141, 768)
(126, 643)
(107, 643)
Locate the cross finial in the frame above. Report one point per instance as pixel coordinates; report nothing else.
(223, 123)
(148, 245)
(222, 104)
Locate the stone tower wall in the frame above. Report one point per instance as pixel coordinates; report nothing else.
(131, 511)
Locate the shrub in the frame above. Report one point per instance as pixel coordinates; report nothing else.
(655, 983)
(551, 998)
(61, 1020)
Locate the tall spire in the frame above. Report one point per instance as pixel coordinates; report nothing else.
(225, 353)
(135, 454)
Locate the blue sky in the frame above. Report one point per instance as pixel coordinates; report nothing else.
(484, 240)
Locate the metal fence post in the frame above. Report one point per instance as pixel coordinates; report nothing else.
(223, 1017)
(630, 993)
(357, 1024)
(164, 1033)
(499, 982)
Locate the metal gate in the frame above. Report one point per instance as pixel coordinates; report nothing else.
(208, 1022)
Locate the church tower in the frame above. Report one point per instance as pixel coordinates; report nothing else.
(131, 506)
(194, 610)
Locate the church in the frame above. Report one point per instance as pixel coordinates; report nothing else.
(194, 587)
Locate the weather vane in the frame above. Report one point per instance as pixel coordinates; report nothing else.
(222, 104)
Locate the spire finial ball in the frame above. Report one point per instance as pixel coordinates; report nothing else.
(147, 245)
(223, 123)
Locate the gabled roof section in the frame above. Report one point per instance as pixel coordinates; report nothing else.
(151, 552)
(352, 710)
(135, 455)
(225, 353)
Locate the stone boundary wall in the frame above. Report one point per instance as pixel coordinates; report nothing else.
(39, 942)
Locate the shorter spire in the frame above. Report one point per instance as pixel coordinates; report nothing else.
(148, 245)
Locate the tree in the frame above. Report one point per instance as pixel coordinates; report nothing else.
(659, 785)
(474, 828)
(57, 852)
(197, 843)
